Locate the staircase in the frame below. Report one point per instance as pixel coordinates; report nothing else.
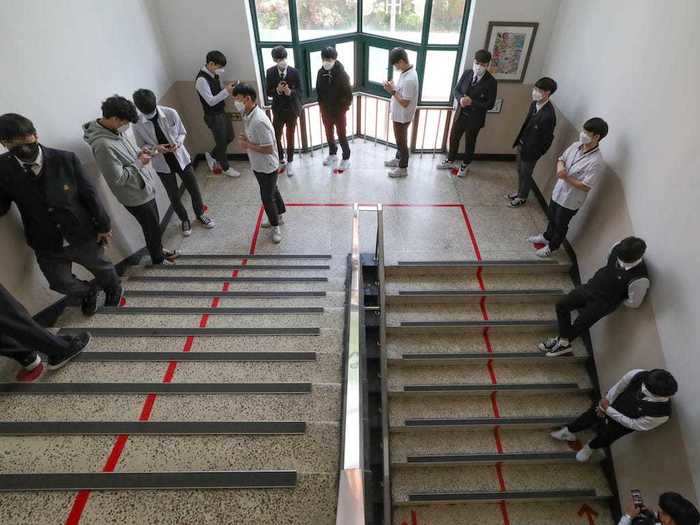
(472, 400)
(219, 376)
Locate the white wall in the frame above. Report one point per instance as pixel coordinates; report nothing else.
(59, 60)
(635, 63)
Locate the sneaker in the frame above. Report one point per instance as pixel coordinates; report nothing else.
(206, 221)
(170, 255)
(398, 173)
(114, 296)
(563, 434)
(186, 227)
(393, 163)
(266, 223)
(511, 196)
(544, 252)
(167, 262)
(554, 347)
(32, 372)
(211, 162)
(584, 454)
(290, 170)
(463, 170)
(283, 162)
(91, 302)
(276, 234)
(446, 165)
(517, 202)
(232, 173)
(80, 342)
(549, 344)
(330, 160)
(344, 165)
(537, 239)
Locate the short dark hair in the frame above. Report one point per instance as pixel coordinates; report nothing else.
(14, 126)
(680, 509)
(217, 57)
(597, 126)
(482, 56)
(546, 84)
(631, 249)
(245, 90)
(120, 107)
(397, 55)
(145, 100)
(329, 53)
(661, 383)
(279, 52)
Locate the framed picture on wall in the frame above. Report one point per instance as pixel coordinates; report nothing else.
(510, 44)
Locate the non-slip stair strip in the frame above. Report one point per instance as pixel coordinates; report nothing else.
(206, 279)
(501, 387)
(256, 256)
(531, 495)
(496, 356)
(190, 310)
(155, 388)
(266, 267)
(195, 332)
(34, 428)
(237, 479)
(499, 262)
(126, 356)
(478, 293)
(489, 421)
(223, 295)
(429, 460)
(467, 324)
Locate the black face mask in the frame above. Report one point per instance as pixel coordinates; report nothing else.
(26, 152)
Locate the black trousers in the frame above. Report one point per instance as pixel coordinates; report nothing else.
(21, 337)
(460, 128)
(57, 268)
(525, 169)
(401, 134)
(147, 216)
(558, 226)
(591, 309)
(607, 431)
(332, 123)
(280, 121)
(189, 179)
(270, 195)
(222, 129)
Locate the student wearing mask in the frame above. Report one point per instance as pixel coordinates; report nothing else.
(334, 99)
(127, 170)
(259, 142)
(64, 219)
(578, 170)
(161, 132)
(535, 138)
(212, 94)
(623, 280)
(674, 509)
(475, 94)
(639, 402)
(404, 100)
(284, 88)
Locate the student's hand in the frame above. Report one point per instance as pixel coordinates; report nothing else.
(604, 404)
(563, 175)
(104, 238)
(631, 510)
(162, 148)
(389, 87)
(144, 158)
(243, 141)
(230, 85)
(465, 101)
(286, 90)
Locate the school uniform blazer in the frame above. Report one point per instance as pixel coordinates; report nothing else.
(282, 104)
(537, 132)
(174, 130)
(483, 95)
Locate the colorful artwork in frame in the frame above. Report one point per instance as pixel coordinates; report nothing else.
(510, 44)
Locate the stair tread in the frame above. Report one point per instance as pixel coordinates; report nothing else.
(509, 282)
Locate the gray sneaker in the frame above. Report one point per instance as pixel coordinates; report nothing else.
(398, 173)
(393, 163)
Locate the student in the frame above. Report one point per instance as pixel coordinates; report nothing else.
(334, 99)
(475, 94)
(213, 96)
(404, 100)
(639, 402)
(127, 170)
(578, 170)
(259, 142)
(284, 88)
(160, 131)
(623, 280)
(21, 338)
(64, 219)
(674, 509)
(535, 138)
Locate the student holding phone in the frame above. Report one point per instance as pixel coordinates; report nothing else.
(674, 509)
(161, 132)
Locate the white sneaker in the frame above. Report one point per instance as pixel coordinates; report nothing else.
(230, 172)
(330, 160)
(211, 161)
(398, 173)
(537, 239)
(563, 434)
(344, 165)
(463, 170)
(289, 169)
(544, 252)
(276, 234)
(584, 454)
(266, 223)
(446, 165)
(393, 163)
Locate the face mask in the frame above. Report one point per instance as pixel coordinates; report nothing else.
(282, 64)
(219, 71)
(537, 95)
(240, 106)
(585, 138)
(124, 128)
(26, 152)
(478, 68)
(150, 115)
(328, 64)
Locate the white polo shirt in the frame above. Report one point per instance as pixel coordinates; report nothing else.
(584, 167)
(260, 132)
(407, 88)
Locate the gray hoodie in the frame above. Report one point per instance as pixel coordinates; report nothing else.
(117, 160)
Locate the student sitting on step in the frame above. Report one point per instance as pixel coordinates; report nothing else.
(640, 401)
(674, 509)
(624, 279)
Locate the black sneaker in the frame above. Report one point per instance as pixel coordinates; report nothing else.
(170, 255)
(186, 228)
(114, 296)
(206, 221)
(517, 202)
(78, 344)
(89, 303)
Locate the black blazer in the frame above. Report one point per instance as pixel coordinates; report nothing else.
(283, 104)
(483, 96)
(61, 202)
(537, 132)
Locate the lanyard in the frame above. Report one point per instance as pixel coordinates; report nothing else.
(577, 160)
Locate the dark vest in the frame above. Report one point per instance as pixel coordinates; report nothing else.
(631, 403)
(215, 87)
(612, 282)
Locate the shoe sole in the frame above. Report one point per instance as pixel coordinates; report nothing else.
(65, 362)
(566, 440)
(557, 353)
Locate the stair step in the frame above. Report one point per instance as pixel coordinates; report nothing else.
(154, 388)
(231, 267)
(470, 389)
(228, 279)
(497, 496)
(174, 310)
(483, 422)
(128, 356)
(436, 282)
(482, 357)
(195, 332)
(486, 267)
(252, 257)
(447, 327)
(148, 480)
(222, 294)
(474, 296)
(489, 459)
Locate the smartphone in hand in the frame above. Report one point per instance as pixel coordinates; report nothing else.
(637, 498)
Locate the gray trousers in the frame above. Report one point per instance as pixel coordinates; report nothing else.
(222, 129)
(525, 169)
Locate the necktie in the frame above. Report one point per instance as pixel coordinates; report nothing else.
(29, 169)
(475, 80)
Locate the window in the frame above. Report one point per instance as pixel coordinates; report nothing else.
(397, 19)
(324, 18)
(378, 69)
(446, 22)
(436, 86)
(273, 20)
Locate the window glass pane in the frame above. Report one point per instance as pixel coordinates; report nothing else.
(267, 57)
(322, 18)
(346, 56)
(446, 21)
(273, 20)
(400, 19)
(437, 79)
(378, 67)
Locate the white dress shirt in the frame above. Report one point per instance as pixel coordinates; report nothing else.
(407, 88)
(202, 87)
(259, 131)
(584, 167)
(173, 129)
(641, 423)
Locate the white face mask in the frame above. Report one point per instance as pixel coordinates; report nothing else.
(124, 128)
(537, 95)
(282, 64)
(328, 64)
(584, 138)
(149, 116)
(478, 68)
(240, 106)
(219, 71)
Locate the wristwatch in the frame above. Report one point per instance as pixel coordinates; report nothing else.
(393, 93)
